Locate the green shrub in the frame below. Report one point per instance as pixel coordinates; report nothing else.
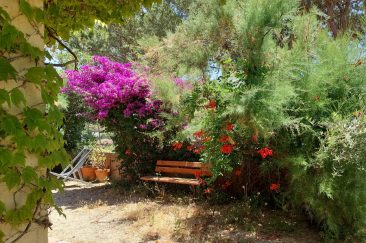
(333, 187)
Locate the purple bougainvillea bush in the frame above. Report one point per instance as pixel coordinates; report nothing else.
(105, 85)
(121, 99)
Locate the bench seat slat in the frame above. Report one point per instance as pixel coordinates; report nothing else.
(175, 180)
(184, 171)
(180, 164)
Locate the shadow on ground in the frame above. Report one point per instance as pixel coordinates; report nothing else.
(237, 222)
(78, 195)
(105, 213)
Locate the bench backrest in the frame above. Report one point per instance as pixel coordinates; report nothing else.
(183, 167)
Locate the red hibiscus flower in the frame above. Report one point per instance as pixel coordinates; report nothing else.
(189, 147)
(227, 148)
(196, 151)
(224, 138)
(177, 145)
(229, 127)
(274, 186)
(211, 104)
(264, 152)
(199, 134)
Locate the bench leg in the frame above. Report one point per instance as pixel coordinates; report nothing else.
(194, 189)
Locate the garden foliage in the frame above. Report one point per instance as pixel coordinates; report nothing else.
(285, 118)
(285, 85)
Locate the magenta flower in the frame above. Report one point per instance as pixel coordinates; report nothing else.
(106, 84)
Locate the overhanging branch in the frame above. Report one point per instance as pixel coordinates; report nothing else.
(62, 64)
(53, 34)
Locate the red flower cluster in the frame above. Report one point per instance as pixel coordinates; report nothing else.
(199, 134)
(206, 139)
(229, 127)
(264, 152)
(189, 147)
(177, 145)
(224, 138)
(199, 149)
(227, 148)
(274, 186)
(211, 104)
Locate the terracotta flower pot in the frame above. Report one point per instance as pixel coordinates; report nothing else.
(88, 173)
(102, 174)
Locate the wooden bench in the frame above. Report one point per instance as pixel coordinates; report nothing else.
(179, 168)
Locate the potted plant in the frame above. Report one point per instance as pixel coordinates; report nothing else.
(88, 171)
(98, 159)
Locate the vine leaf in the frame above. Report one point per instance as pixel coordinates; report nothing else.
(12, 179)
(19, 159)
(52, 74)
(10, 37)
(29, 174)
(18, 216)
(30, 50)
(36, 75)
(6, 70)
(26, 8)
(17, 97)
(55, 115)
(38, 15)
(4, 97)
(10, 124)
(5, 156)
(5, 16)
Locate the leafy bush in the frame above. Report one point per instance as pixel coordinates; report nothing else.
(333, 186)
(121, 99)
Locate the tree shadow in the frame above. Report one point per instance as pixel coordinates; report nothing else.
(76, 195)
(79, 195)
(236, 222)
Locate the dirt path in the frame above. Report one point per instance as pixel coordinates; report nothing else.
(99, 213)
